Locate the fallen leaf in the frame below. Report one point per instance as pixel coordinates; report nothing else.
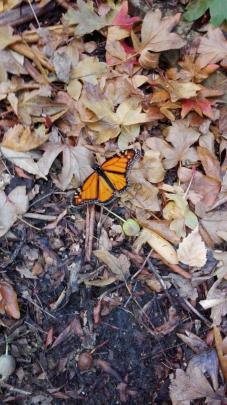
(22, 139)
(85, 18)
(182, 137)
(16, 203)
(6, 36)
(190, 385)
(176, 89)
(220, 351)
(77, 163)
(178, 212)
(212, 48)
(122, 18)
(203, 191)
(24, 160)
(192, 250)
(156, 35)
(200, 106)
(191, 71)
(8, 301)
(119, 266)
(159, 244)
(214, 222)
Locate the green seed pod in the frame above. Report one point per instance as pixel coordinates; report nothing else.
(131, 227)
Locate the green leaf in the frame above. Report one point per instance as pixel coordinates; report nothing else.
(217, 9)
(196, 9)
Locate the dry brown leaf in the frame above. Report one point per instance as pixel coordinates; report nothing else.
(181, 136)
(22, 139)
(156, 35)
(6, 36)
(212, 48)
(16, 203)
(77, 162)
(192, 250)
(220, 351)
(177, 90)
(119, 266)
(8, 301)
(159, 244)
(210, 163)
(214, 222)
(192, 384)
(85, 19)
(24, 160)
(203, 190)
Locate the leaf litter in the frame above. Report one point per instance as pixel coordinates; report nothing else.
(91, 81)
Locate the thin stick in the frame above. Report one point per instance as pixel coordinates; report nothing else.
(142, 266)
(14, 389)
(33, 12)
(90, 224)
(174, 267)
(205, 320)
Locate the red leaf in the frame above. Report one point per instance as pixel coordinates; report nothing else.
(123, 20)
(8, 301)
(201, 106)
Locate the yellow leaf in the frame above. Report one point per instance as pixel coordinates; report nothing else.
(22, 139)
(159, 244)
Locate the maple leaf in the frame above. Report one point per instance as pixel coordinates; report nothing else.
(22, 139)
(85, 18)
(212, 48)
(77, 162)
(122, 18)
(16, 203)
(181, 137)
(32, 105)
(192, 250)
(193, 72)
(156, 35)
(8, 300)
(177, 90)
(110, 124)
(191, 385)
(201, 106)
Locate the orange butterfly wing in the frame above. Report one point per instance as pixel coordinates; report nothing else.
(98, 189)
(94, 189)
(115, 168)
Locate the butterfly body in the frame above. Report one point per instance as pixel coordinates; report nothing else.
(107, 180)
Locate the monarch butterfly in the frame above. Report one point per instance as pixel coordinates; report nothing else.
(107, 180)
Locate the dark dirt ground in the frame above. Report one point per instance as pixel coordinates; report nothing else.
(131, 363)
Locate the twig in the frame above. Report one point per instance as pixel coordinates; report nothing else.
(24, 14)
(161, 281)
(205, 320)
(174, 267)
(34, 13)
(142, 266)
(42, 217)
(90, 223)
(14, 389)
